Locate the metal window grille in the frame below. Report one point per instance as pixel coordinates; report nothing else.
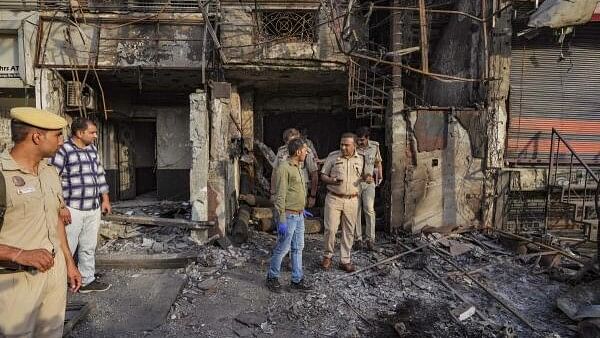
(288, 26)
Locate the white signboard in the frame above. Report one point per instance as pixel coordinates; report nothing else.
(9, 56)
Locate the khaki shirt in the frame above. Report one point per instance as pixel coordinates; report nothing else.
(31, 205)
(309, 165)
(350, 170)
(291, 189)
(372, 156)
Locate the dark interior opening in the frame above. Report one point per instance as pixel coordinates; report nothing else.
(145, 157)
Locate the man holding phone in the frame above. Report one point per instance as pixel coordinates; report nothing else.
(83, 183)
(343, 172)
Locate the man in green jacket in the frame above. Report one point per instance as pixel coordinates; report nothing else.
(290, 201)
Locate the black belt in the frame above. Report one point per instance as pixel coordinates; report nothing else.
(10, 267)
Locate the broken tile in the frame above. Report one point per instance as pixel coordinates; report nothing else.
(463, 311)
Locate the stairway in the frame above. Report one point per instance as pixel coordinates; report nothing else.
(566, 210)
(368, 86)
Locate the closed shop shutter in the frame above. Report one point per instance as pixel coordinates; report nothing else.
(555, 86)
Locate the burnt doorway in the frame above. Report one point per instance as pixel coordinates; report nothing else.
(145, 156)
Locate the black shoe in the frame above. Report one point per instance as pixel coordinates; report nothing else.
(273, 285)
(301, 286)
(370, 246)
(94, 286)
(358, 245)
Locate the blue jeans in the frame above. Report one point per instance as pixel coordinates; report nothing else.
(294, 240)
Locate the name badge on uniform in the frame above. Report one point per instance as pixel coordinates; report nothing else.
(25, 190)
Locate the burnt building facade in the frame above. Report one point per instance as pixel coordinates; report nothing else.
(187, 94)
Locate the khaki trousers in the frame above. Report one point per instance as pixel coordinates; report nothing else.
(340, 210)
(367, 204)
(33, 304)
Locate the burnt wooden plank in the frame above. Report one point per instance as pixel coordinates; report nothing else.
(154, 261)
(158, 221)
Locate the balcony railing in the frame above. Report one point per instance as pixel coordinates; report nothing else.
(150, 6)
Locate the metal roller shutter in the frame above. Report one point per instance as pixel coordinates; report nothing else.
(555, 86)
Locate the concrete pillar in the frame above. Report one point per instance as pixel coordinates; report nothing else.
(396, 137)
(199, 137)
(219, 162)
(49, 92)
(397, 140)
(497, 115)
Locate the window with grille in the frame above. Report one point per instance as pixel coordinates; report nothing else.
(288, 26)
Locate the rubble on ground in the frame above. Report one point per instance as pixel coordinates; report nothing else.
(118, 237)
(400, 298)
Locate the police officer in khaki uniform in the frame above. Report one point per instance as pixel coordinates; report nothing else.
(35, 262)
(373, 167)
(310, 169)
(343, 172)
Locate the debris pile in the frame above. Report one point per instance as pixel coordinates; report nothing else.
(120, 237)
(462, 284)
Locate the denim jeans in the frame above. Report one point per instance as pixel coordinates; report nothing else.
(82, 235)
(294, 241)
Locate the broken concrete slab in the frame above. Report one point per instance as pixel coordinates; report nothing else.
(251, 318)
(463, 312)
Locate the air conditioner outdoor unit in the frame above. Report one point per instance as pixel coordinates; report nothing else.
(79, 97)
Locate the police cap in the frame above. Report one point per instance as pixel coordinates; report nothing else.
(38, 118)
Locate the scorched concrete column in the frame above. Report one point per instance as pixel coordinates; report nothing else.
(199, 137)
(219, 155)
(398, 145)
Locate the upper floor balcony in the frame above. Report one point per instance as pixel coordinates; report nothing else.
(110, 6)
